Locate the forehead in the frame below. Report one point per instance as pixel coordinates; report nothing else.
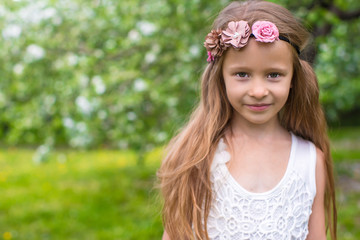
(255, 54)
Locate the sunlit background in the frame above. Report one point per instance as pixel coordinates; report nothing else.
(90, 91)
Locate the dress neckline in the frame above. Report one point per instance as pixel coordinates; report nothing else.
(238, 186)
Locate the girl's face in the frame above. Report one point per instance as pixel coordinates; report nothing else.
(258, 80)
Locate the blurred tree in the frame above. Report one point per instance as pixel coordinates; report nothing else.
(124, 74)
(334, 52)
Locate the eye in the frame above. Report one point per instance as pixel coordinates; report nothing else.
(242, 74)
(274, 75)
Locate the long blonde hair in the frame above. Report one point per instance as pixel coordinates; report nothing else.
(185, 172)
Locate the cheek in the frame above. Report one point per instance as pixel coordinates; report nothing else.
(232, 97)
(229, 95)
(283, 94)
(283, 89)
(233, 92)
(228, 90)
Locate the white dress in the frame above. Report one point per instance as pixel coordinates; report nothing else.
(281, 213)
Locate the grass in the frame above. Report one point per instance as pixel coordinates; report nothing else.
(103, 194)
(345, 145)
(77, 195)
(346, 155)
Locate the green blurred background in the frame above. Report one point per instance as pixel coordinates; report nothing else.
(90, 91)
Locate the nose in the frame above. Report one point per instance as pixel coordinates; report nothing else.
(258, 89)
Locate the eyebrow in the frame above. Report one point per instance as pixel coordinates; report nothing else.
(246, 68)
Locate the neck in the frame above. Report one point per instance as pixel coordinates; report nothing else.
(270, 129)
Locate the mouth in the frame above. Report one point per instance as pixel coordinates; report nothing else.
(258, 107)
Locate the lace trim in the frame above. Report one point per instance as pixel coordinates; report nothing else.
(221, 155)
(279, 214)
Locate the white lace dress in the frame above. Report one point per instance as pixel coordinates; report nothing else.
(281, 213)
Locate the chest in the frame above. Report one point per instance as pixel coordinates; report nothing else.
(259, 168)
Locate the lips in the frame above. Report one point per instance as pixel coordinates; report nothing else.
(258, 107)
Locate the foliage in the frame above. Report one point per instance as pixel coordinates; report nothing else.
(124, 74)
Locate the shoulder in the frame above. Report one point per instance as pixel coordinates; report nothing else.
(320, 171)
(305, 152)
(308, 150)
(317, 228)
(309, 163)
(320, 158)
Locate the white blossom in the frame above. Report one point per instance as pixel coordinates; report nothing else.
(194, 50)
(140, 85)
(150, 57)
(11, 31)
(72, 59)
(80, 141)
(48, 13)
(99, 85)
(131, 116)
(134, 36)
(18, 69)
(36, 12)
(35, 52)
(161, 136)
(68, 122)
(84, 105)
(146, 28)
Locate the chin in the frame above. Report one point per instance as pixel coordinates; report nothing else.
(259, 121)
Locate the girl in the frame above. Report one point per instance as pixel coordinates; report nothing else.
(253, 162)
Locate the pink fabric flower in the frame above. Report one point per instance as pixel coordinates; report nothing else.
(265, 31)
(214, 45)
(237, 34)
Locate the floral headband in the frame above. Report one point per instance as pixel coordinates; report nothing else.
(237, 35)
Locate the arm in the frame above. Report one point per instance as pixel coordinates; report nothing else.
(317, 229)
(165, 236)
